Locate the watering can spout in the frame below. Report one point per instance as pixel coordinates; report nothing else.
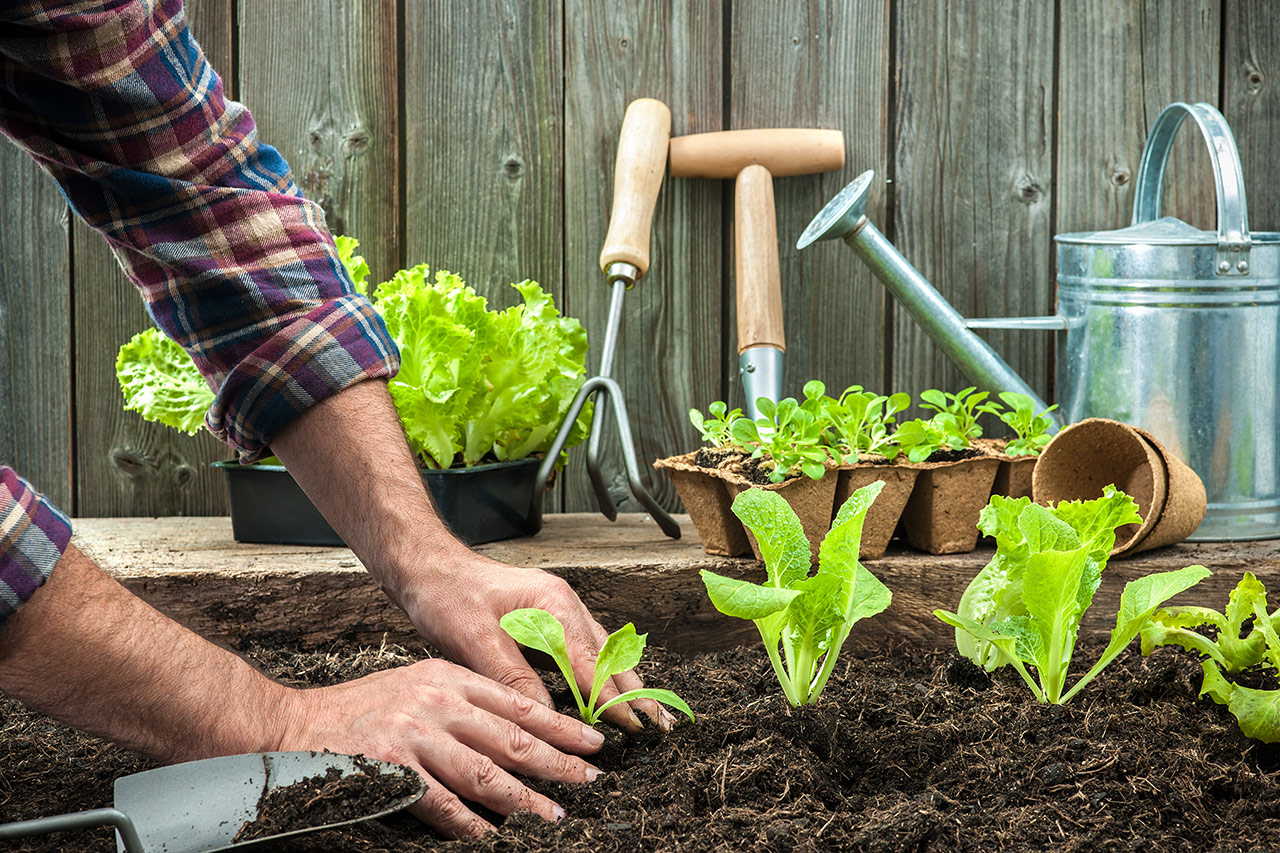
(844, 217)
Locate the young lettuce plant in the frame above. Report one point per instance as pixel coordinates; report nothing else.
(789, 435)
(803, 619)
(1031, 431)
(859, 422)
(716, 428)
(919, 439)
(1232, 650)
(1027, 604)
(963, 406)
(622, 650)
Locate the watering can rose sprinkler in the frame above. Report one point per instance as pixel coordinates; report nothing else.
(1165, 327)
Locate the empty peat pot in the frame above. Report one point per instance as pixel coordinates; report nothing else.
(1087, 456)
(483, 503)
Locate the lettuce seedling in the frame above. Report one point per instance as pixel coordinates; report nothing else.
(788, 436)
(964, 407)
(1231, 648)
(1256, 711)
(859, 422)
(808, 616)
(622, 650)
(1026, 606)
(919, 439)
(716, 428)
(1031, 431)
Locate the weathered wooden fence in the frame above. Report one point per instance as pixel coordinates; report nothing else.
(479, 137)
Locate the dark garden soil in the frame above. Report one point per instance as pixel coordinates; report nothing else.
(328, 798)
(909, 750)
(714, 457)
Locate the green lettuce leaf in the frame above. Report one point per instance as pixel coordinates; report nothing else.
(160, 382)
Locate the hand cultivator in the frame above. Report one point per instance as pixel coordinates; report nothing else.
(637, 176)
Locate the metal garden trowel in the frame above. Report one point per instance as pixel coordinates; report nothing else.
(200, 806)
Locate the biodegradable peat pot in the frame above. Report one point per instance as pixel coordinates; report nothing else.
(1097, 452)
(812, 501)
(483, 503)
(1013, 477)
(882, 518)
(942, 515)
(708, 503)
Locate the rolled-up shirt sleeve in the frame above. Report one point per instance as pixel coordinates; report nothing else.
(33, 537)
(117, 102)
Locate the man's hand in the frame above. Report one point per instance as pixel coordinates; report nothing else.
(458, 608)
(349, 455)
(466, 735)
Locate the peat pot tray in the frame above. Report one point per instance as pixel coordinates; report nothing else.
(626, 571)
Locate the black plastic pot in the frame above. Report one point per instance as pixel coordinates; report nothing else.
(485, 503)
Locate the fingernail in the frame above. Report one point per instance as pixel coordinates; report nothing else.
(636, 725)
(557, 812)
(666, 720)
(592, 737)
(593, 773)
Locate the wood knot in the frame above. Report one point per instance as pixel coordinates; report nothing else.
(1119, 177)
(356, 141)
(1255, 81)
(624, 43)
(184, 474)
(513, 167)
(1027, 189)
(132, 462)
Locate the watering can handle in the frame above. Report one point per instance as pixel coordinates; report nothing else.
(1233, 218)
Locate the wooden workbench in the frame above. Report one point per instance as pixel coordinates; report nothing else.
(192, 569)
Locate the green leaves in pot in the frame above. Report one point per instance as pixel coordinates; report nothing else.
(803, 619)
(788, 435)
(541, 630)
(1031, 430)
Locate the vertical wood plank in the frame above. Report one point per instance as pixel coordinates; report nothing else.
(796, 63)
(484, 132)
(1119, 65)
(974, 176)
(35, 328)
(1251, 103)
(669, 353)
(320, 79)
(126, 466)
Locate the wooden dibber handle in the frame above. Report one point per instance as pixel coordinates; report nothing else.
(637, 175)
(756, 270)
(784, 151)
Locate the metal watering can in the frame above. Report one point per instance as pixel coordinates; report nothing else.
(1167, 327)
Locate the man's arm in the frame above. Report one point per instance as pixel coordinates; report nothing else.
(86, 651)
(350, 456)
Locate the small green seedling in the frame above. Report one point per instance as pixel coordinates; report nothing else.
(622, 650)
(1031, 431)
(920, 439)
(964, 406)
(1232, 650)
(859, 423)
(789, 434)
(1026, 606)
(809, 616)
(716, 428)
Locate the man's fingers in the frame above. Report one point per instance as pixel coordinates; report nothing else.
(441, 810)
(479, 779)
(513, 748)
(505, 665)
(558, 730)
(584, 646)
(653, 709)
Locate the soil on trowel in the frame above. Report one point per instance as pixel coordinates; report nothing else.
(327, 798)
(715, 457)
(907, 750)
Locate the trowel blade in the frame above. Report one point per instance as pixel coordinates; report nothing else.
(199, 806)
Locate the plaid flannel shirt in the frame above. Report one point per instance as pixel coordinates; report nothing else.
(117, 102)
